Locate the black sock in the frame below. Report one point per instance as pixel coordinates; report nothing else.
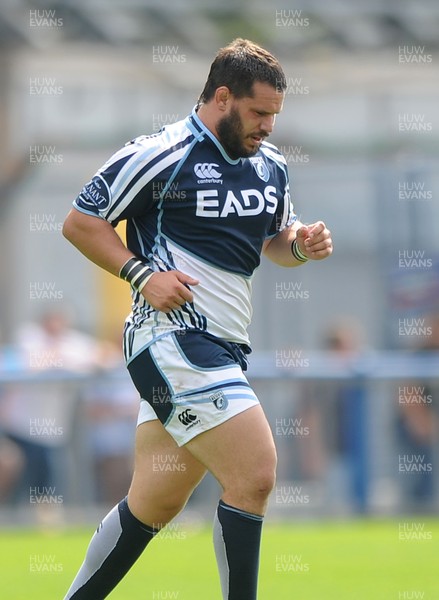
(237, 538)
(118, 542)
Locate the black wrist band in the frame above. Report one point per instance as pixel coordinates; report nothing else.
(297, 253)
(136, 272)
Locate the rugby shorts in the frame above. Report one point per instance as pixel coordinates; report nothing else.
(191, 381)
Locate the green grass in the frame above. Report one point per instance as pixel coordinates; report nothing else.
(358, 560)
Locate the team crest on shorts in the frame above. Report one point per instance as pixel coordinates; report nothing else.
(219, 400)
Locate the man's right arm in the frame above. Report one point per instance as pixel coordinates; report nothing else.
(99, 242)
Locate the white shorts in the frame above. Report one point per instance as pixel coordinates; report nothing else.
(191, 381)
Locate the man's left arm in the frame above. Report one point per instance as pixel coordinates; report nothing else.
(311, 242)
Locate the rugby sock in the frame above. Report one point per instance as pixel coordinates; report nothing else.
(237, 539)
(118, 542)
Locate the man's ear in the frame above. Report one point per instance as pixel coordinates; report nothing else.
(222, 97)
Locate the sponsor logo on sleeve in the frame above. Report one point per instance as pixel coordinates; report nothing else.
(96, 193)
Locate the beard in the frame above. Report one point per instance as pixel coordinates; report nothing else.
(230, 134)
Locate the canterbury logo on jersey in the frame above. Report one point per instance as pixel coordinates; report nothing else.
(207, 171)
(246, 204)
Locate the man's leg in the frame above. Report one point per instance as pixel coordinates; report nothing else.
(241, 454)
(155, 497)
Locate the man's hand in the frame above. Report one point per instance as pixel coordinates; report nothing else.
(168, 290)
(314, 241)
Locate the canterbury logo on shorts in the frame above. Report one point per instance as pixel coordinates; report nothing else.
(186, 417)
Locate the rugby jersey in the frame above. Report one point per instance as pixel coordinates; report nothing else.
(189, 206)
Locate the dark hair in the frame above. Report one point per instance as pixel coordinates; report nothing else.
(238, 66)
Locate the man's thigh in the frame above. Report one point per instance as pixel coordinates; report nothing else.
(194, 384)
(164, 476)
(241, 454)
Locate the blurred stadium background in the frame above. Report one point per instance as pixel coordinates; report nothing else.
(345, 352)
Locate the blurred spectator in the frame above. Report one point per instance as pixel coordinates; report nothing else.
(37, 416)
(11, 466)
(418, 428)
(335, 412)
(11, 457)
(111, 406)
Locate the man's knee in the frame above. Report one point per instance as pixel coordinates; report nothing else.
(256, 484)
(261, 482)
(153, 508)
(164, 496)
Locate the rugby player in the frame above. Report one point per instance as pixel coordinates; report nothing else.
(202, 199)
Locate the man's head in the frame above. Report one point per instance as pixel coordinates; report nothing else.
(238, 66)
(243, 93)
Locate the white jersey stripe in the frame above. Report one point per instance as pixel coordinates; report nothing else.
(149, 175)
(139, 161)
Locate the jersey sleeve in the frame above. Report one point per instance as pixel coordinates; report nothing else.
(122, 188)
(284, 215)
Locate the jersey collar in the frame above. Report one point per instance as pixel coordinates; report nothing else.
(196, 124)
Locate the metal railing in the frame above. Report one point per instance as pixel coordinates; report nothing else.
(342, 429)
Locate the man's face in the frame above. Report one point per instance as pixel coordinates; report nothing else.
(249, 120)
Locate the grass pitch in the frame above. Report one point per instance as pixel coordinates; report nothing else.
(355, 560)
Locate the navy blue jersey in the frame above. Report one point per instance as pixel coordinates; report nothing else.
(189, 206)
